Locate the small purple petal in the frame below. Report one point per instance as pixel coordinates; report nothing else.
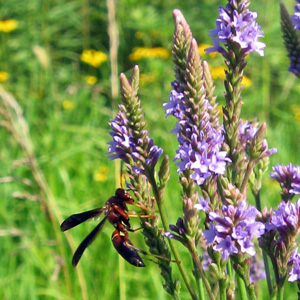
(226, 246)
(210, 234)
(203, 204)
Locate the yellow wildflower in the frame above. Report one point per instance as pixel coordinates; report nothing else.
(90, 80)
(201, 49)
(93, 57)
(101, 174)
(8, 25)
(246, 81)
(142, 52)
(218, 72)
(3, 76)
(67, 104)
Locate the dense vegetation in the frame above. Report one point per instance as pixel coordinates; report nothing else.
(65, 92)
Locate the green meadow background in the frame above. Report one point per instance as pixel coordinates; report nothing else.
(67, 99)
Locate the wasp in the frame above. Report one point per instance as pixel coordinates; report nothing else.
(116, 212)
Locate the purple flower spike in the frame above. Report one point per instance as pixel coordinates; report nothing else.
(200, 144)
(286, 220)
(154, 155)
(201, 152)
(296, 16)
(121, 143)
(290, 26)
(239, 27)
(247, 131)
(173, 107)
(233, 230)
(289, 180)
(124, 143)
(294, 274)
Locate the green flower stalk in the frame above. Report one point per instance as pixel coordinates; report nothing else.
(280, 238)
(235, 36)
(193, 104)
(132, 144)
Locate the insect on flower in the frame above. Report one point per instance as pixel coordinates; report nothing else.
(116, 212)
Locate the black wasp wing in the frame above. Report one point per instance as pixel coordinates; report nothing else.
(86, 242)
(77, 219)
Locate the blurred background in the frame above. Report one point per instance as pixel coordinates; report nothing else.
(55, 61)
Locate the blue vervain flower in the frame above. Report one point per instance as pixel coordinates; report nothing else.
(296, 16)
(200, 147)
(247, 131)
(174, 106)
(289, 179)
(289, 27)
(125, 144)
(286, 220)
(202, 154)
(203, 204)
(233, 230)
(294, 274)
(238, 26)
(122, 139)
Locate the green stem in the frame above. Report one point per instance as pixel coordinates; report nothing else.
(222, 289)
(171, 242)
(230, 275)
(201, 290)
(268, 273)
(252, 293)
(249, 169)
(257, 200)
(241, 287)
(176, 296)
(216, 290)
(229, 270)
(265, 256)
(220, 189)
(199, 267)
(273, 297)
(198, 279)
(280, 293)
